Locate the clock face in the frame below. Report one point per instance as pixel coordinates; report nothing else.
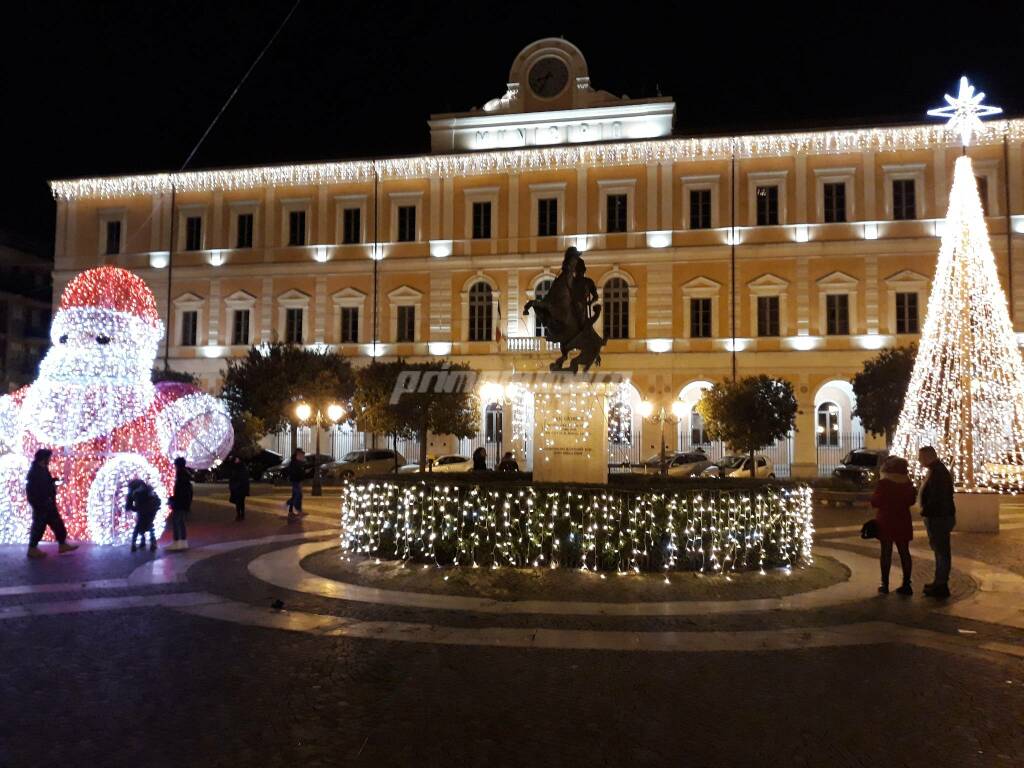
(548, 77)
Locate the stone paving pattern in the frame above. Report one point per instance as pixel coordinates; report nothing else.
(154, 687)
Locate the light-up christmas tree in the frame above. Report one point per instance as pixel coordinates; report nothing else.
(966, 394)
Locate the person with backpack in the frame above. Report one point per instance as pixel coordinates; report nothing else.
(238, 487)
(143, 501)
(181, 503)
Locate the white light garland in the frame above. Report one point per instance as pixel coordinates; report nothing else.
(599, 529)
(535, 159)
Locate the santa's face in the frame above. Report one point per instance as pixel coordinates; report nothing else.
(94, 378)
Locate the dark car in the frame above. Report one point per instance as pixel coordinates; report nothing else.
(278, 473)
(861, 466)
(258, 464)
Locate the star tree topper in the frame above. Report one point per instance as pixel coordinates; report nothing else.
(965, 111)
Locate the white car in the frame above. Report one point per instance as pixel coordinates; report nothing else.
(739, 466)
(451, 462)
(687, 464)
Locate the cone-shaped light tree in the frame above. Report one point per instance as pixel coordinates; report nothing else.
(966, 394)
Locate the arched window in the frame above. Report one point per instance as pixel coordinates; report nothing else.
(828, 424)
(492, 423)
(697, 434)
(620, 423)
(539, 293)
(481, 312)
(616, 309)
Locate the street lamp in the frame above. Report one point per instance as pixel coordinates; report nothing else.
(333, 413)
(673, 416)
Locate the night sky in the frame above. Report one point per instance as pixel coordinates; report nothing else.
(98, 88)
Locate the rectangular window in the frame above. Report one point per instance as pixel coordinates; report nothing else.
(293, 325)
(189, 328)
(700, 209)
(350, 325)
(407, 223)
(482, 220)
(406, 330)
(547, 216)
(113, 237)
(240, 327)
(982, 193)
(837, 314)
(351, 226)
(194, 233)
(700, 318)
(296, 227)
(903, 203)
(767, 315)
(243, 235)
(906, 313)
(835, 202)
(617, 207)
(767, 205)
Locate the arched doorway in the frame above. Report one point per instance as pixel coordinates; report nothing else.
(624, 422)
(836, 430)
(690, 432)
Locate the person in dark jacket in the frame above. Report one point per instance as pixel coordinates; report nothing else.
(238, 486)
(893, 497)
(508, 463)
(296, 474)
(41, 489)
(181, 503)
(480, 459)
(939, 515)
(143, 501)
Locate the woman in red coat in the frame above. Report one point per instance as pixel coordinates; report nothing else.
(893, 497)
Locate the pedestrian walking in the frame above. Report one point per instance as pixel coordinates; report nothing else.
(143, 501)
(181, 504)
(939, 515)
(296, 474)
(508, 463)
(893, 497)
(41, 489)
(480, 459)
(238, 487)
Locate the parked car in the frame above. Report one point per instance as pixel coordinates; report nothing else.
(739, 466)
(683, 464)
(371, 461)
(451, 462)
(257, 465)
(862, 465)
(279, 472)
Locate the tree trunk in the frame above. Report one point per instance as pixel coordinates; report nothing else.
(423, 445)
(394, 446)
(753, 466)
(295, 437)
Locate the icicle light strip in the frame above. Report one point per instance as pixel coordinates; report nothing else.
(623, 531)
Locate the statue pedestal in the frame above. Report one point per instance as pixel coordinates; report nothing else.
(977, 512)
(570, 430)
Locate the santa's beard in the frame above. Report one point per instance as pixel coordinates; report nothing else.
(64, 413)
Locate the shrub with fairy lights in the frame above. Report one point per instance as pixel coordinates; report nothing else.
(708, 529)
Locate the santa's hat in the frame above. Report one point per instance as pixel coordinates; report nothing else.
(114, 289)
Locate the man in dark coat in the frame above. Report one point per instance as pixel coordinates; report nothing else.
(41, 489)
(939, 515)
(296, 474)
(181, 503)
(238, 486)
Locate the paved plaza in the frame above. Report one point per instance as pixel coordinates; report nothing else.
(114, 658)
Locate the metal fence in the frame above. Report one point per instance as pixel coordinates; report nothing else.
(779, 453)
(625, 453)
(467, 445)
(834, 447)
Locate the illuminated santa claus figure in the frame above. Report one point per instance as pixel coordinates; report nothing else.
(96, 409)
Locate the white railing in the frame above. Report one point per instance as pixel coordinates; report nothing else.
(529, 344)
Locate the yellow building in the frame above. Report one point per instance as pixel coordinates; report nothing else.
(797, 255)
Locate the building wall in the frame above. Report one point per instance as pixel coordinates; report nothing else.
(663, 261)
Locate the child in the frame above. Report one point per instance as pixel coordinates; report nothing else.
(145, 503)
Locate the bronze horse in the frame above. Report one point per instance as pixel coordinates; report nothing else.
(568, 314)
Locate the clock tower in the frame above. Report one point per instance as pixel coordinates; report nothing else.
(549, 101)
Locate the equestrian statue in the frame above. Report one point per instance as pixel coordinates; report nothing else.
(568, 312)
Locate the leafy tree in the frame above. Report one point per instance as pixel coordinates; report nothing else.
(262, 388)
(881, 388)
(749, 414)
(446, 405)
